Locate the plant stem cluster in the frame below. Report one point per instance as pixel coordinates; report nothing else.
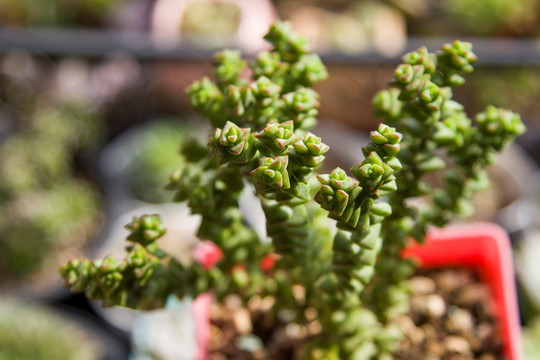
(337, 236)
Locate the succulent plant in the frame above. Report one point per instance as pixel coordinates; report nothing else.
(44, 206)
(335, 238)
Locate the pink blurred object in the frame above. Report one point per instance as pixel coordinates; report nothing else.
(486, 248)
(201, 312)
(207, 254)
(255, 18)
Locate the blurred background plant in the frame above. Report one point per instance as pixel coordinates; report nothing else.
(46, 205)
(33, 331)
(346, 22)
(531, 345)
(471, 18)
(55, 13)
(151, 152)
(50, 201)
(455, 18)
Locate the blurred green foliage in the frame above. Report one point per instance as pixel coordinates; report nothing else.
(30, 331)
(531, 340)
(493, 17)
(516, 87)
(157, 155)
(444, 17)
(46, 204)
(211, 19)
(518, 18)
(51, 13)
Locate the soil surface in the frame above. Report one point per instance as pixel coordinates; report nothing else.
(451, 318)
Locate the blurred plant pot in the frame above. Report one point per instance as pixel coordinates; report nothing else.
(32, 330)
(211, 23)
(136, 165)
(484, 247)
(112, 347)
(354, 28)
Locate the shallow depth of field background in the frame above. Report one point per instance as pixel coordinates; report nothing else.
(92, 112)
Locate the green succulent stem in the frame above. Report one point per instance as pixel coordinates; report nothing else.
(438, 138)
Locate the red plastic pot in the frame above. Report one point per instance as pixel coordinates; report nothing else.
(484, 247)
(201, 310)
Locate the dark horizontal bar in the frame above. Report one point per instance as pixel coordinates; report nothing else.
(490, 51)
(97, 44)
(87, 43)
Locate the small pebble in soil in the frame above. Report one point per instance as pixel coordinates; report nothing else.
(249, 343)
(434, 347)
(242, 320)
(457, 344)
(414, 334)
(258, 305)
(431, 306)
(422, 285)
(448, 280)
(459, 321)
(471, 295)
